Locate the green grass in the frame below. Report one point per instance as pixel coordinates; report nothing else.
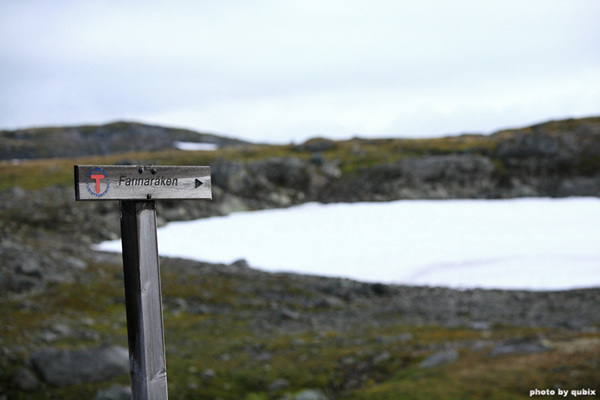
(476, 376)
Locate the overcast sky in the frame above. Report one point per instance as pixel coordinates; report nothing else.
(282, 71)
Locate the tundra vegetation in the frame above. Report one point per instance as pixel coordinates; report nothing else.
(234, 332)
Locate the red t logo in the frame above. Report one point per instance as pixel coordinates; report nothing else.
(97, 179)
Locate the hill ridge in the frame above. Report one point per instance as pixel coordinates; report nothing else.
(110, 138)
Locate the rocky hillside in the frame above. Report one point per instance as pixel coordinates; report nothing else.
(559, 158)
(234, 332)
(555, 159)
(118, 137)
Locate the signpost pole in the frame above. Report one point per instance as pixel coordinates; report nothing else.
(136, 188)
(143, 300)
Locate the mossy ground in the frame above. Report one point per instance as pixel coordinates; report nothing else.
(379, 361)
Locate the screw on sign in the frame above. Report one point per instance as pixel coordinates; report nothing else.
(133, 186)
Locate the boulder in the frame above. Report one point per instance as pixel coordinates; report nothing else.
(316, 145)
(519, 346)
(62, 367)
(278, 384)
(439, 358)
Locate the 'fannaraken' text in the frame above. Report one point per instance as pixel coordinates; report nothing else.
(160, 181)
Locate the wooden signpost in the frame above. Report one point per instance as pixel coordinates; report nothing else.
(136, 188)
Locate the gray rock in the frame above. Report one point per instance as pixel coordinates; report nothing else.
(331, 170)
(262, 356)
(382, 357)
(287, 171)
(311, 394)
(480, 325)
(462, 168)
(62, 330)
(17, 192)
(232, 176)
(240, 264)
(208, 374)
(287, 314)
(398, 338)
(440, 358)
(60, 367)
(329, 302)
(278, 384)
(76, 263)
(518, 346)
(115, 392)
(180, 304)
(201, 309)
(29, 266)
(316, 145)
(231, 204)
(48, 337)
(24, 379)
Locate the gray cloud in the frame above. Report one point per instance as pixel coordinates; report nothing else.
(283, 70)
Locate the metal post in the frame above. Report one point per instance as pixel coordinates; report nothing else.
(143, 301)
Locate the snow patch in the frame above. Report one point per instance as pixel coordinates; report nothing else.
(533, 244)
(194, 146)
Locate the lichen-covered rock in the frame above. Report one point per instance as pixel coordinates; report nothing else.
(519, 346)
(61, 367)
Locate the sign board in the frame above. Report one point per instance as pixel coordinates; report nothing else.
(141, 182)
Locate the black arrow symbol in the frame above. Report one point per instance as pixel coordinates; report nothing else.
(198, 183)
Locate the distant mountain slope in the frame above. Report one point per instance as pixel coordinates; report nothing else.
(117, 137)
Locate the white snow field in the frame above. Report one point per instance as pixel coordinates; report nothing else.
(193, 146)
(531, 243)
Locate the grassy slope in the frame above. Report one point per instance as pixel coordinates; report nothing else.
(362, 362)
(36, 174)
